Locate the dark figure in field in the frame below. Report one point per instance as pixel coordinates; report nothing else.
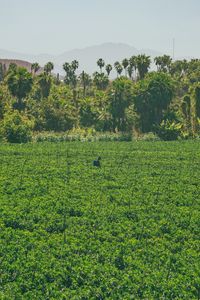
(96, 163)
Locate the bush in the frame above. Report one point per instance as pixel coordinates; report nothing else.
(83, 135)
(16, 128)
(168, 131)
(148, 137)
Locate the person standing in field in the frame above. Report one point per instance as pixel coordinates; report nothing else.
(96, 163)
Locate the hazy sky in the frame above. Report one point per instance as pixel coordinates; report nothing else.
(54, 26)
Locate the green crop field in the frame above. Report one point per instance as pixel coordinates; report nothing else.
(127, 230)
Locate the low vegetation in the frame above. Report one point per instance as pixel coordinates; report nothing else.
(127, 230)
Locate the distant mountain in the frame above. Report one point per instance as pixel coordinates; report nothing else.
(87, 57)
(19, 63)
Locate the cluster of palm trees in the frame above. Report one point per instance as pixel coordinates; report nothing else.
(140, 63)
(136, 67)
(48, 68)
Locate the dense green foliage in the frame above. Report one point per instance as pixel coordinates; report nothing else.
(129, 230)
(138, 101)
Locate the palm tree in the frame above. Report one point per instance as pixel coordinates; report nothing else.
(19, 82)
(133, 64)
(130, 71)
(85, 81)
(1, 72)
(158, 62)
(163, 63)
(44, 81)
(100, 63)
(74, 65)
(125, 64)
(118, 68)
(108, 69)
(70, 69)
(35, 67)
(100, 80)
(66, 67)
(48, 67)
(186, 110)
(143, 65)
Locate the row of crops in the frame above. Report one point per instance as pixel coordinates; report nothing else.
(127, 230)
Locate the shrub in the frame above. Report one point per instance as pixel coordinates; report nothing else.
(168, 131)
(16, 128)
(148, 137)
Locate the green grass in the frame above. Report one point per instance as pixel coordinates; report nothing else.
(129, 230)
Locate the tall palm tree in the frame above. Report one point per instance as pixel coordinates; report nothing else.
(118, 68)
(66, 67)
(70, 69)
(143, 65)
(35, 67)
(74, 65)
(100, 63)
(133, 65)
(158, 62)
(108, 69)
(163, 63)
(85, 81)
(130, 71)
(100, 80)
(125, 64)
(45, 82)
(48, 67)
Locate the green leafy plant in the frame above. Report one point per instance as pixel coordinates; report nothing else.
(168, 131)
(16, 128)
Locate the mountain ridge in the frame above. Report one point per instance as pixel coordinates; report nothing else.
(87, 56)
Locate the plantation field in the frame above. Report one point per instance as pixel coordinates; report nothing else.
(127, 230)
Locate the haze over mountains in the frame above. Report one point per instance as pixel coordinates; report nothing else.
(87, 57)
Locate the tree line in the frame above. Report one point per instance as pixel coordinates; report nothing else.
(165, 101)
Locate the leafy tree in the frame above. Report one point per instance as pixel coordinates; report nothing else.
(70, 69)
(57, 117)
(16, 128)
(163, 63)
(179, 67)
(45, 82)
(186, 111)
(152, 97)
(85, 81)
(120, 97)
(19, 82)
(195, 93)
(12, 67)
(5, 100)
(168, 131)
(88, 112)
(2, 72)
(100, 80)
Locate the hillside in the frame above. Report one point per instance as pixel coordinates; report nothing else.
(19, 63)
